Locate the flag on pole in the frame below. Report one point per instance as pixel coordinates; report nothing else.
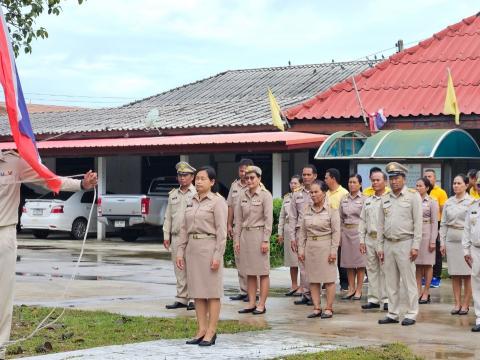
(451, 105)
(377, 120)
(17, 111)
(276, 112)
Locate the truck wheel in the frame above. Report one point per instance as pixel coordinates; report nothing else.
(129, 236)
(79, 227)
(41, 234)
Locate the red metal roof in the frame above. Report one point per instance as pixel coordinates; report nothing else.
(411, 82)
(41, 108)
(287, 140)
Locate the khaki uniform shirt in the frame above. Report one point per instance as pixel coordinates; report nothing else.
(400, 218)
(285, 214)
(207, 217)
(350, 209)
(325, 221)
(13, 170)
(234, 193)
(368, 223)
(254, 211)
(471, 233)
(453, 215)
(335, 197)
(300, 199)
(175, 212)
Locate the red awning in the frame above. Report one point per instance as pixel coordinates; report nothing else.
(239, 142)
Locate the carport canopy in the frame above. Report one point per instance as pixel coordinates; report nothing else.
(401, 144)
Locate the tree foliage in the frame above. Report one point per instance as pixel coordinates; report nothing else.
(20, 16)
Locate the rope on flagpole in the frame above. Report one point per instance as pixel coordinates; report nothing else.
(359, 101)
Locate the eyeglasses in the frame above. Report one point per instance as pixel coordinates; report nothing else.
(249, 177)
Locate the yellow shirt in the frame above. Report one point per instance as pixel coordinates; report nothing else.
(441, 196)
(334, 197)
(369, 191)
(474, 193)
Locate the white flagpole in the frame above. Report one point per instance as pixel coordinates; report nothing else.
(359, 101)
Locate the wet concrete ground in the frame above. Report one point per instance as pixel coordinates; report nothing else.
(137, 279)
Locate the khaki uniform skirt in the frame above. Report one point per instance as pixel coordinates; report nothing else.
(316, 260)
(425, 257)
(290, 258)
(254, 263)
(203, 283)
(351, 257)
(455, 259)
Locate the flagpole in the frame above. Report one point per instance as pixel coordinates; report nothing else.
(359, 101)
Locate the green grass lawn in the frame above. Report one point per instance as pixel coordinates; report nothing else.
(386, 352)
(79, 329)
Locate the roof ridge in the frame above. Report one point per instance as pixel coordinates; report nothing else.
(381, 66)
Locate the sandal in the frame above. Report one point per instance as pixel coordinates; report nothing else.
(327, 316)
(455, 311)
(315, 314)
(292, 292)
(464, 312)
(357, 297)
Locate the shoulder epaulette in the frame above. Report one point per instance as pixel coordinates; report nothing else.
(412, 190)
(171, 191)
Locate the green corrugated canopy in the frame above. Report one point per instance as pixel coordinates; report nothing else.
(401, 144)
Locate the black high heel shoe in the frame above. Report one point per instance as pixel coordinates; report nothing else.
(208, 343)
(195, 341)
(424, 301)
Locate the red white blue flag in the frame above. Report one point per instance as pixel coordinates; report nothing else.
(17, 111)
(377, 120)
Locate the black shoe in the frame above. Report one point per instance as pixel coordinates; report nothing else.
(476, 328)
(175, 305)
(424, 301)
(239, 297)
(407, 322)
(347, 297)
(247, 300)
(303, 301)
(194, 341)
(387, 320)
(370, 305)
(385, 307)
(259, 312)
(191, 306)
(314, 314)
(208, 343)
(310, 302)
(246, 311)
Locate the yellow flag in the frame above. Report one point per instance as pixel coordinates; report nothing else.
(276, 114)
(451, 104)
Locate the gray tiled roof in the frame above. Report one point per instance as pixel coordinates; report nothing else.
(231, 98)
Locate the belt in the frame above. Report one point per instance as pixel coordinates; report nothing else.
(350, 226)
(248, 228)
(455, 227)
(373, 235)
(202, 236)
(398, 240)
(315, 238)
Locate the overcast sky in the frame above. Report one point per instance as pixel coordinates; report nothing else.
(110, 52)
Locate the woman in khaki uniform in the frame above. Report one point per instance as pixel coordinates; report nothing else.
(426, 253)
(201, 247)
(319, 237)
(290, 257)
(451, 231)
(254, 218)
(352, 259)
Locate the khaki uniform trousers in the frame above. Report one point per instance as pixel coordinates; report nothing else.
(475, 252)
(377, 290)
(8, 258)
(397, 266)
(181, 275)
(242, 277)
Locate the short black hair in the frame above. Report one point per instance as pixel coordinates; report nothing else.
(311, 166)
(245, 162)
(334, 173)
(375, 169)
(463, 177)
(430, 170)
(358, 176)
(211, 173)
(427, 184)
(472, 173)
(322, 185)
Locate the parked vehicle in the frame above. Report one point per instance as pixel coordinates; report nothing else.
(137, 215)
(64, 212)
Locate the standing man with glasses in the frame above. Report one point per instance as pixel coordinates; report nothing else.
(178, 199)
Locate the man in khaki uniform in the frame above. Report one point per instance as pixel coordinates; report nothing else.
(368, 242)
(300, 200)
(233, 195)
(399, 236)
(471, 248)
(14, 170)
(174, 217)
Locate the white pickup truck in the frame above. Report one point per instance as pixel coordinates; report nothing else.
(137, 215)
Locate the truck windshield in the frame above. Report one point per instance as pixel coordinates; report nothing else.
(162, 186)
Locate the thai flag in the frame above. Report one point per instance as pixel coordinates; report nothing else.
(377, 120)
(17, 111)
